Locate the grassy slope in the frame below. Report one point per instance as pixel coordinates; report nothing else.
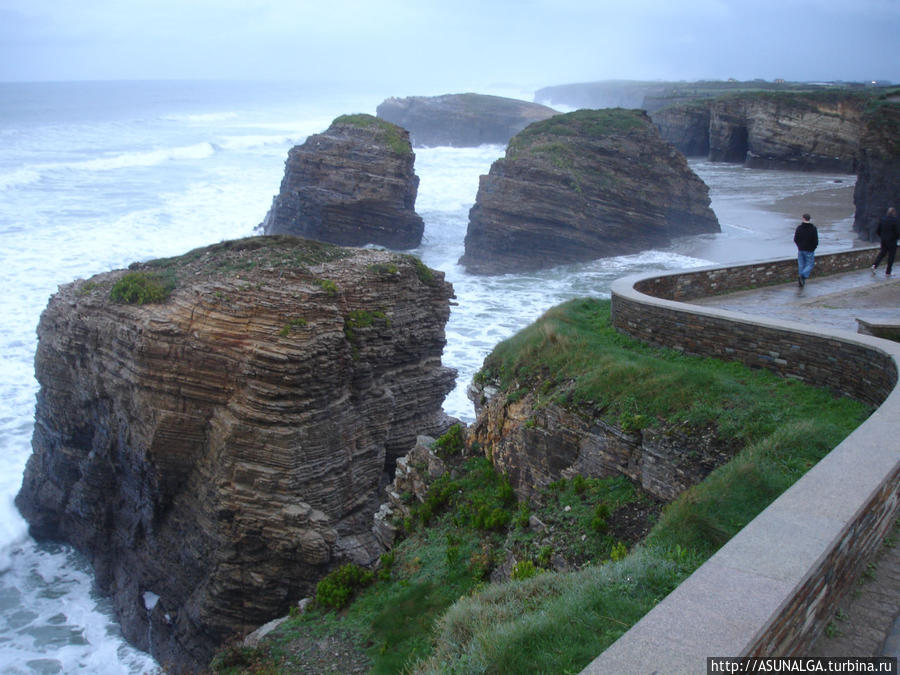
(434, 611)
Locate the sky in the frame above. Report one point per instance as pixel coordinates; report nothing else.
(450, 45)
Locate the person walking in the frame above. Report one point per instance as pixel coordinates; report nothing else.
(888, 232)
(806, 236)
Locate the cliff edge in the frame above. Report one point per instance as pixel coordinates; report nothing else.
(213, 431)
(878, 174)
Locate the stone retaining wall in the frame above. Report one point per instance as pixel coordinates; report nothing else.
(773, 587)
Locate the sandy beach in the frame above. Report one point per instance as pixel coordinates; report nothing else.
(756, 226)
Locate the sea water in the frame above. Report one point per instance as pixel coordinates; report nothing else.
(94, 176)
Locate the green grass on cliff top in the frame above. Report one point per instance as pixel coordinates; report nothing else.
(393, 136)
(574, 357)
(434, 613)
(579, 124)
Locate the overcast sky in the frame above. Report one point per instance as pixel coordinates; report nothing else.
(450, 44)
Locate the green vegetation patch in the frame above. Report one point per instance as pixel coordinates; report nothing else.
(423, 271)
(572, 356)
(143, 287)
(394, 137)
(578, 124)
(239, 255)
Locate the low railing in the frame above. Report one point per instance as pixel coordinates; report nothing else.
(773, 587)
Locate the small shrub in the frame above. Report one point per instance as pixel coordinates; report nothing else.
(328, 286)
(523, 516)
(450, 443)
(544, 556)
(599, 523)
(618, 552)
(291, 325)
(491, 519)
(423, 271)
(87, 287)
(524, 569)
(386, 564)
(579, 483)
(338, 587)
(141, 288)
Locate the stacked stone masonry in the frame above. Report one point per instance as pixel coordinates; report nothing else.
(767, 592)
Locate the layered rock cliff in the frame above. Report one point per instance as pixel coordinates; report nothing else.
(461, 120)
(219, 448)
(581, 186)
(352, 185)
(878, 176)
(535, 444)
(802, 131)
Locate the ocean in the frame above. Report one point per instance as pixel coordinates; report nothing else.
(97, 175)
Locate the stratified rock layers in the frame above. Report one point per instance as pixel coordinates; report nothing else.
(461, 120)
(581, 186)
(352, 185)
(878, 177)
(216, 453)
(803, 131)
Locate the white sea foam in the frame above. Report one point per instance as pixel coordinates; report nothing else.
(149, 158)
(204, 118)
(18, 177)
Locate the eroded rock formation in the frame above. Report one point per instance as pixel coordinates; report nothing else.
(215, 453)
(352, 185)
(581, 186)
(461, 120)
(535, 445)
(767, 130)
(878, 177)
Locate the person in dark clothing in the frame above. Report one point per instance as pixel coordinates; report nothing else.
(806, 236)
(888, 232)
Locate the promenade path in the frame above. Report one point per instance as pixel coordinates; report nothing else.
(868, 621)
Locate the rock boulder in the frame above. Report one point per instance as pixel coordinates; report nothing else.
(215, 451)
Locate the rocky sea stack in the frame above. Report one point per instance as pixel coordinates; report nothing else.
(581, 186)
(352, 185)
(461, 120)
(214, 431)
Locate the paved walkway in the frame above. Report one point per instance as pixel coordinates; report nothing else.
(867, 622)
(837, 300)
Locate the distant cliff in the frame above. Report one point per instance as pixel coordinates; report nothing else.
(581, 186)
(461, 120)
(878, 177)
(804, 131)
(352, 185)
(656, 94)
(213, 431)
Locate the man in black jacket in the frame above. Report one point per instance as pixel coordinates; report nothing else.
(888, 231)
(806, 236)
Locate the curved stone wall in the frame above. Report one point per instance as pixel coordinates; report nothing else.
(773, 587)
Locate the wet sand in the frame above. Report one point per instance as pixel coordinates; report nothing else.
(826, 207)
(758, 227)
